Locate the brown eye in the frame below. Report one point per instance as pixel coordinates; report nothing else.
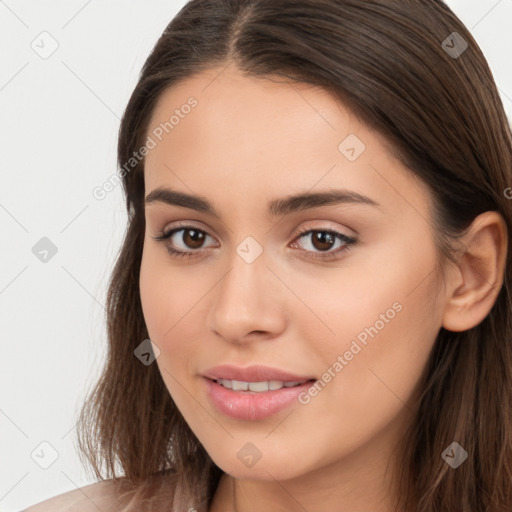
(184, 241)
(193, 238)
(323, 240)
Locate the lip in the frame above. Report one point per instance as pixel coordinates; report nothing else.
(255, 373)
(251, 406)
(248, 405)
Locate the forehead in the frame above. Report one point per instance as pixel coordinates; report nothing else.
(221, 130)
(262, 97)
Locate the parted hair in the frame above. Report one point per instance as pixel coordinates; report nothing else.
(390, 62)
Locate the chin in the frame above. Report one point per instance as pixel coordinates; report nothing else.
(268, 469)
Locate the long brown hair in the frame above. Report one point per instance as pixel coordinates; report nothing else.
(393, 64)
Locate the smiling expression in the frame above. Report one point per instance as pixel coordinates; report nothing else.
(278, 229)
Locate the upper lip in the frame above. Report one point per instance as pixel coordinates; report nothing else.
(255, 373)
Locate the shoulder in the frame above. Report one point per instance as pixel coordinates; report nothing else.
(103, 495)
(106, 495)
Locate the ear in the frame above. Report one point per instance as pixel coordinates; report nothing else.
(478, 275)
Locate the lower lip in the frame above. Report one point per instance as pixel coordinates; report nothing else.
(247, 405)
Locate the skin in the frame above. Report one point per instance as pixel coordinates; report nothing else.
(251, 140)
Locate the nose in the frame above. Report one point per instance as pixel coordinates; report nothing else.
(248, 302)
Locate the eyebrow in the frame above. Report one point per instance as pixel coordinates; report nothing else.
(276, 208)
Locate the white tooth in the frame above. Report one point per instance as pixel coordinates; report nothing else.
(226, 383)
(240, 385)
(258, 386)
(275, 384)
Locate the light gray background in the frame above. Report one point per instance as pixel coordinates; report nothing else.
(59, 123)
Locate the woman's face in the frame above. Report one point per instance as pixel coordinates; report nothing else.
(342, 291)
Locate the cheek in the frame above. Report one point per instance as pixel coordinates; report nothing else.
(368, 294)
(162, 311)
(167, 293)
(382, 326)
(152, 285)
(381, 381)
(171, 302)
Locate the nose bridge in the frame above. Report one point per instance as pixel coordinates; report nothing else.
(247, 298)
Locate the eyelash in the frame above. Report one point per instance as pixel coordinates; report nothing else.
(325, 256)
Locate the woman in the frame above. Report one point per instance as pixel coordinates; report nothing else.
(311, 307)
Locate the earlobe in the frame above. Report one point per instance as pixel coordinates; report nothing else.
(477, 281)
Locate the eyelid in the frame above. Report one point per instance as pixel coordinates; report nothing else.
(330, 255)
(182, 225)
(167, 232)
(298, 232)
(347, 240)
(323, 226)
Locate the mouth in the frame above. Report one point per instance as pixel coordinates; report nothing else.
(257, 375)
(254, 400)
(259, 386)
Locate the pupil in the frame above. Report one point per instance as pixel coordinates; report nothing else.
(197, 238)
(326, 239)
